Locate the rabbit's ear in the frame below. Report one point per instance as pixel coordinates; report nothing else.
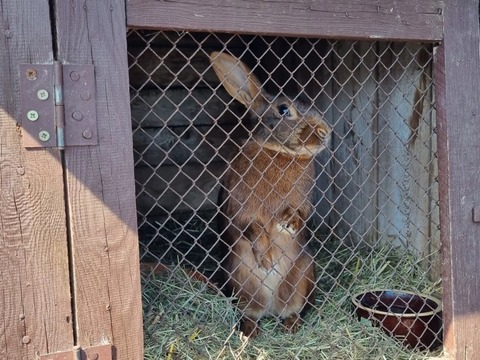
(237, 79)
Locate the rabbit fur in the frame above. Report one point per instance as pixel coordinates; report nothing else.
(265, 202)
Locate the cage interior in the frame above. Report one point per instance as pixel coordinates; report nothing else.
(374, 222)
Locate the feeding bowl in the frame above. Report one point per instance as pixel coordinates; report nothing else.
(414, 319)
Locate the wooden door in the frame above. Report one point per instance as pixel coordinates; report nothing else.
(35, 304)
(69, 271)
(100, 183)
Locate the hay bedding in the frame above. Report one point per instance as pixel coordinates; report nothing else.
(185, 318)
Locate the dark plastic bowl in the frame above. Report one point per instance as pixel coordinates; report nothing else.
(414, 319)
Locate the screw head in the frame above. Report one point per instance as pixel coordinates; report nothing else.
(44, 135)
(26, 339)
(42, 94)
(87, 134)
(31, 74)
(86, 96)
(93, 356)
(77, 115)
(75, 76)
(32, 115)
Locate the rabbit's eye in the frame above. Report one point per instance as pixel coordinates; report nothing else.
(283, 109)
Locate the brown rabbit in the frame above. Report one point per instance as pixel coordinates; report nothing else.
(265, 202)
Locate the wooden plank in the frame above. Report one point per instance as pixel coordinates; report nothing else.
(100, 184)
(423, 147)
(184, 107)
(167, 67)
(171, 66)
(192, 144)
(392, 20)
(458, 107)
(353, 116)
(406, 150)
(138, 39)
(168, 190)
(35, 302)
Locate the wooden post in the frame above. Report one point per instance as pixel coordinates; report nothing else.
(100, 184)
(457, 84)
(35, 306)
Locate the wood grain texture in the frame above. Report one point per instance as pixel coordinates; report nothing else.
(392, 20)
(383, 151)
(195, 145)
(100, 184)
(35, 302)
(406, 152)
(168, 190)
(458, 110)
(180, 67)
(354, 90)
(184, 107)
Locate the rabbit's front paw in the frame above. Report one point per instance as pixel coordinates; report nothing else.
(263, 257)
(292, 323)
(290, 223)
(286, 227)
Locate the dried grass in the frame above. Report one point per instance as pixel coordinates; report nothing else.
(187, 319)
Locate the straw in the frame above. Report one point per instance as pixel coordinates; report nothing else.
(185, 318)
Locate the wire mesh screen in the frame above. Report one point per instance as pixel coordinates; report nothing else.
(287, 196)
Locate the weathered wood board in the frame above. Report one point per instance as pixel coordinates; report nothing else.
(406, 150)
(393, 20)
(169, 66)
(167, 190)
(184, 107)
(181, 145)
(100, 184)
(35, 302)
(352, 93)
(458, 107)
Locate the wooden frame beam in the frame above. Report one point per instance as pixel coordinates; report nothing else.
(458, 110)
(377, 20)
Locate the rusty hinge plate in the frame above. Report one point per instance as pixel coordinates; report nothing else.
(38, 105)
(79, 105)
(58, 105)
(100, 352)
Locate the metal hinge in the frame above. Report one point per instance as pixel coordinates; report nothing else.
(58, 105)
(100, 352)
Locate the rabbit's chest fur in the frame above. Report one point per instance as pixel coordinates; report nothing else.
(263, 282)
(264, 184)
(270, 277)
(260, 188)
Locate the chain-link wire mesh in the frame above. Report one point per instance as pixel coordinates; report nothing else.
(370, 221)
